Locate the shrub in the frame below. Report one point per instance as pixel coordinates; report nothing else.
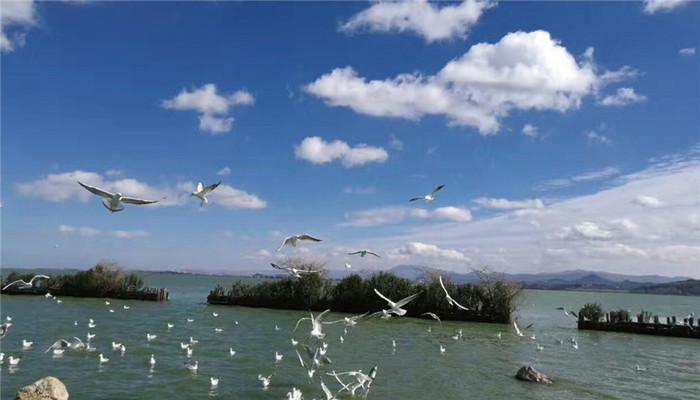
(592, 312)
(619, 315)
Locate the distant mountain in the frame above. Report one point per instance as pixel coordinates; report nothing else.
(689, 287)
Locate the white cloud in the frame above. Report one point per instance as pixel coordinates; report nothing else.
(623, 97)
(114, 172)
(679, 254)
(212, 106)
(647, 201)
(614, 250)
(587, 231)
(127, 234)
(394, 215)
(360, 190)
(430, 251)
(318, 151)
(523, 71)
(419, 17)
(16, 18)
(594, 137)
(604, 173)
(224, 171)
(504, 204)
(63, 186)
(395, 143)
(262, 253)
(91, 232)
(530, 131)
(687, 52)
(653, 6)
(82, 231)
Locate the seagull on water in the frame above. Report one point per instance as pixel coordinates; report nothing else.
(517, 330)
(103, 359)
(214, 381)
(150, 337)
(90, 336)
(396, 306)
(265, 380)
(363, 253)
(190, 320)
(25, 344)
(170, 326)
(189, 352)
(13, 361)
(2, 357)
(294, 342)
(92, 323)
(123, 349)
(539, 348)
(292, 240)
(450, 300)
(25, 285)
(107, 303)
(231, 351)
(152, 361)
(193, 341)
(295, 394)
(638, 368)
(126, 307)
(215, 314)
(110, 310)
(112, 201)
(277, 328)
(429, 197)
(574, 344)
(58, 352)
(202, 192)
(218, 330)
(442, 349)
(116, 346)
(184, 345)
(278, 357)
(192, 367)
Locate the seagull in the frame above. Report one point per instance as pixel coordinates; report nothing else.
(231, 351)
(214, 381)
(90, 348)
(498, 335)
(347, 267)
(539, 348)
(116, 346)
(638, 368)
(103, 359)
(450, 300)
(13, 361)
(112, 201)
(396, 307)
(429, 197)
(574, 344)
(110, 310)
(342, 340)
(152, 361)
(393, 343)
(90, 336)
(107, 303)
(363, 253)
(455, 336)
(295, 394)
(193, 341)
(26, 345)
(2, 357)
(265, 380)
(190, 320)
(309, 369)
(192, 367)
(60, 344)
(533, 337)
(202, 192)
(25, 285)
(4, 327)
(294, 271)
(316, 326)
(123, 349)
(434, 316)
(170, 326)
(327, 392)
(218, 330)
(349, 321)
(58, 352)
(184, 345)
(75, 323)
(189, 352)
(215, 314)
(91, 324)
(278, 357)
(150, 337)
(294, 342)
(47, 295)
(126, 307)
(573, 314)
(442, 349)
(277, 328)
(58, 301)
(383, 314)
(517, 330)
(292, 240)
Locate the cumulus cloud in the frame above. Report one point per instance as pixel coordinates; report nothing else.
(213, 108)
(504, 204)
(523, 71)
(395, 215)
(318, 151)
(654, 6)
(647, 201)
(594, 137)
(224, 171)
(63, 186)
(530, 131)
(587, 231)
(687, 51)
(419, 17)
(600, 174)
(16, 18)
(90, 232)
(429, 251)
(623, 97)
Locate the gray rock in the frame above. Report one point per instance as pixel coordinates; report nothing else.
(529, 374)
(48, 388)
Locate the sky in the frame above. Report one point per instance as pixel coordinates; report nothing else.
(567, 134)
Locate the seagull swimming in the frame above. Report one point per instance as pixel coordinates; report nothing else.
(189, 352)
(215, 314)
(103, 359)
(150, 337)
(396, 307)
(428, 197)
(363, 253)
(203, 191)
(294, 342)
(265, 380)
(58, 352)
(152, 361)
(112, 201)
(231, 351)
(90, 336)
(295, 394)
(539, 348)
(25, 285)
(170, 326)
(13, 361)
(126, 307)
(450, 300)
(214, 381)
(190, 320)
(91, 324)
(116, 346)
(26, 345)
(107, 303)
(218, 330)
(184, 345)
(278, 357)
(292, 240)
(442, 349)
(192, 367)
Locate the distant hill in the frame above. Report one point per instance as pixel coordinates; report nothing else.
(689, 287)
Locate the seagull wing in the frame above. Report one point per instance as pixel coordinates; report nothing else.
(433, 315)
(417, 198)
(277, 266)
(373, 253)
(200, 186)
(133, 200)
(209, 188)
(300, 360)
(459, 305)
(329, 395)
(573, 314)
(59, 344)
(405, 301)
(443, 286)
(302, 319)
(383, 297)
(355, 252)
(320, 316)
(285, 241)
(96, 190)
(356, 317)
(10, 284)
(528, 327)
(436, 189)
(77, 344)
(308, 237)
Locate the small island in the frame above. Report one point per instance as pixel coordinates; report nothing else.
(105, 280)
(592, 317)
(493, 299)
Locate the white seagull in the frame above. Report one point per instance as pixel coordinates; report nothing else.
(295, 272)
(265, 380)
(215, 314)
(214, 381)
(150, 337)
(203, 191)
(107, 303)
(428, 197)
(126, 307)
(442, 349)
(58, 352)
(92, 323)
(309, 369)
(13, 361)
(189, 352)
(363, 253)
(112, 201)
(316, 326)
(517, 330)
(218, 330)
(192, 367)
(170, 326)
(77, 345)
(152, 361)
(433, 316)
(292, 240)
(25, 285)
(347, 267)
(90, 336)
(450, 300)
(116, 346)
(4, 327)
(396, 307)
(25, 344)
(295, 394)
(294, 342)
(231, 351)
(103, 359)
(278, 357)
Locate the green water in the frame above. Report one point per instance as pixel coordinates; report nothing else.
(477, 366)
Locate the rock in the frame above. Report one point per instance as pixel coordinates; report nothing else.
(529, 374)
(48, 388)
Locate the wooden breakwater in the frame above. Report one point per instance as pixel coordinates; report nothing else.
(150, 294)
(689, 328)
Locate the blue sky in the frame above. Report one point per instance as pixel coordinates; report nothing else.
(567, 134)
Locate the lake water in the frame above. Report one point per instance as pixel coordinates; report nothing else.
(476, 366)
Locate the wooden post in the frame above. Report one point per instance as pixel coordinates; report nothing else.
(656, 319)
(690, 320)
(668, 320)
(607, 317)
(673, 318)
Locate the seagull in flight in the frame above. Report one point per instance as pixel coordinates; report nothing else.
(396, 307)
(202, 192)
(316, 326)
(112, 201)
(434, 316)
(25, 285)
(4, 327)
(349, 321)
(309, 370)
(295, 272)
(430, 196)
(62, 344)
(450, 300)
(292, 240)
(567, 313)
(363, 253)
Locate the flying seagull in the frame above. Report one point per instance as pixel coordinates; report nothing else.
(363, 253)
(429, 197)
(202, 192)
(112, 201)
(25, 285)
(567, 313)
(434, 316)
(396, 307)
(316, 327)
(295, 272)
(292, 240)
(4, 327)
(450, 300)
(77, 345)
